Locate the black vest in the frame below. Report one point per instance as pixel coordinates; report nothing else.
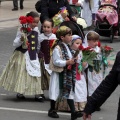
(32, 47)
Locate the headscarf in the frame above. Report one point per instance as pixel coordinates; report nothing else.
(85, 41)
(75, 37)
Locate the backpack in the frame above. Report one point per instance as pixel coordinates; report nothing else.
(38, 5)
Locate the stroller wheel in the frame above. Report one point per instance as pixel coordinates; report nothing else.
(111, 38)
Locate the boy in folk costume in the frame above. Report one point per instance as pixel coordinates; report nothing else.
(61, 78)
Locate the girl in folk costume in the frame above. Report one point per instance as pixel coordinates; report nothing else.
(86, 12)
(62, 80)
(94, 74)
(46, 41)
(22, 73)
(80, 84)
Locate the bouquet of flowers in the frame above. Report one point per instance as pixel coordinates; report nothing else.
(60, 17)
(82, 22)
(88, 55)
(105, 50)
(25, 29)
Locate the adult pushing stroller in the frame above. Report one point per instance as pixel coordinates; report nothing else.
(107, 20)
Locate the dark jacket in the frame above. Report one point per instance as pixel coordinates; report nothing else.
(51, 7)
(105, 89)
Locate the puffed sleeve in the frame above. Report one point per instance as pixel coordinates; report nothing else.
(39, 41)
(17, 42)
(57, 60)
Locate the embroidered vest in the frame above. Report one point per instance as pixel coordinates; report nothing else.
(32, 47)
(52, 66)
(45, 49)
(33, 42)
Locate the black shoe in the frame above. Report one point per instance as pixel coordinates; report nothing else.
(14, 9)
(39, 99)
(53, 114)
(21, 7)
(42, 95)
(20, 96)
(76, 115)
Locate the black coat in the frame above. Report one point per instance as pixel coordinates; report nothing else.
(105, 89)
(51, 7)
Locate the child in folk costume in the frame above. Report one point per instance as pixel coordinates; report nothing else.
(94, 74)
(46, 41)
(22, 73)
(80, 84)
(62, 80)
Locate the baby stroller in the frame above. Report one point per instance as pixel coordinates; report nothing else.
(107, 20)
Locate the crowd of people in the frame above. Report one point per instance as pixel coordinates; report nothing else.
(43, 60)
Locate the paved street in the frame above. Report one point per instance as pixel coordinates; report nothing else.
(14, 109)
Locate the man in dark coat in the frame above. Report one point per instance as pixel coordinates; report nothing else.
(104, 90)
(15, 4)
(51, 7)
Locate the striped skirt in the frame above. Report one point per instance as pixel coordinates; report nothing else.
(16, 79)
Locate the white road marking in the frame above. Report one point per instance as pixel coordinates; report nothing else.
(30, 111)
(3, 94)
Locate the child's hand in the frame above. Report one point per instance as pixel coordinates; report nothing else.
(22, 37)
(67, 19)
(75, 59)
(108, 63)
(70, 62)
(77, 4)
(86, 117)
(74, 18)
(84, 64)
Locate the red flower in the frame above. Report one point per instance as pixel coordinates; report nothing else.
(106, 50)
(51, 42)
(24, 21)
(81, 47)
(29, 19)
(87, 49)
(99, 44)
(22, 17)
(28, 29)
